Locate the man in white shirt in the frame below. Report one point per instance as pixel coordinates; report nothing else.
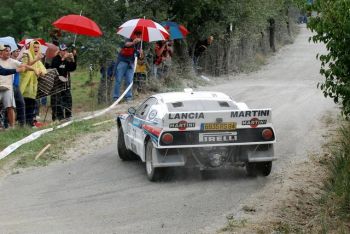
(6, 82)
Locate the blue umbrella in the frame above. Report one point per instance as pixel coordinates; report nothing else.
(176, 31)
(9, 41)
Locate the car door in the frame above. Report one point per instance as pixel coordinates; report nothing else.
(139, 119)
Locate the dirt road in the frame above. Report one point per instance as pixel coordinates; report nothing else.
(98, 193)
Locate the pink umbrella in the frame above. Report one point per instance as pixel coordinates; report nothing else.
(151, 31)
(26, 41)
(51, 50)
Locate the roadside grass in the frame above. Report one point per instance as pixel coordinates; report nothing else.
(233, 224)
(321, 204)
(60, 140)
(328, 209)
(85, 90)
(335, 203)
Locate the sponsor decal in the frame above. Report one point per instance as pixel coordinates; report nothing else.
(153, 131)
(136, 122)
(250, 113)
(217, 137)
(152, 114)
(182, 125)
(197, 115)
(254, 122)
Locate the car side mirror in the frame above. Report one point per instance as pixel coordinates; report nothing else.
(132, 110)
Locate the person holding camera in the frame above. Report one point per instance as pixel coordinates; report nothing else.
(61, 103)
(124, 69)
(162, 61)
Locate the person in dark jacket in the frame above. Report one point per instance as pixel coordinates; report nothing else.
(200, 48)
(61, 102)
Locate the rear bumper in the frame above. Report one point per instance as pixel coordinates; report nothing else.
(261, 153)
(178, 157)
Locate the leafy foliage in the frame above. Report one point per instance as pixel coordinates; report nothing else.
(332, 27)
(33, 18)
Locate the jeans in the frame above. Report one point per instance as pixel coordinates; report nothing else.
(20, 106)
(126, 71)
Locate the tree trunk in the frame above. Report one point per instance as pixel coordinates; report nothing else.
(272, 29)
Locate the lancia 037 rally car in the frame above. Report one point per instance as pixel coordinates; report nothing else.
(200, 129)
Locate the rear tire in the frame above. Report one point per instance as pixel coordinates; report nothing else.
(123, 152)
(251, 169)
(260, 168)
(153, 173)
(265, 168)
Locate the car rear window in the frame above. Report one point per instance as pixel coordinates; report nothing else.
(201, 105)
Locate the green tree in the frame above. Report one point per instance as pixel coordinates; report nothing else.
(332, 27)
(32, 18)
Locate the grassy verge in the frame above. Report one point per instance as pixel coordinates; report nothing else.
(335, 203)
(85, 90)
(325, 209)
(60, 140)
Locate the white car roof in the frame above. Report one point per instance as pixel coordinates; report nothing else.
(191, 95)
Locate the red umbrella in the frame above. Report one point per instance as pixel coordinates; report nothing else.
(151, 31)
(78, 24)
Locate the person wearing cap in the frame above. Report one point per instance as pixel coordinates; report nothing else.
(125, 64)
(8, 67)
(61, 103)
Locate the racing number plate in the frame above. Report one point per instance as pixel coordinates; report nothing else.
(219, 126)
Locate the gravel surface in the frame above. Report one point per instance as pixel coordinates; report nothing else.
(95, 192)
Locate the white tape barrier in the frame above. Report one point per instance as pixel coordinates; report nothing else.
(35, 135)
(9, 149)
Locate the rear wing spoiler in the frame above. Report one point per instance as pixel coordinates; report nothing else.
(217, 120)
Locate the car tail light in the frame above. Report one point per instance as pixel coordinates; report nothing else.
(267, 134)
(167, 138)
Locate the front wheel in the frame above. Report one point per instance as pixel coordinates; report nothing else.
(153, 173)
(123, 152)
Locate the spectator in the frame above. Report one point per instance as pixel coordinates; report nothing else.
(61, 103)
(140, 75)
(7, 69)
(125, 65)
(200, 48)
(20, 106)
(7, 62)
(106, 83)
(162, 62)
(29, 79)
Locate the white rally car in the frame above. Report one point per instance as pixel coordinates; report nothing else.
(203, 129)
